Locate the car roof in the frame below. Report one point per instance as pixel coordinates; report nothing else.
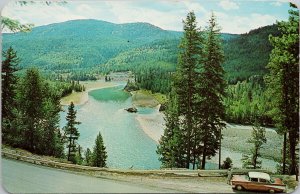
(260, 175)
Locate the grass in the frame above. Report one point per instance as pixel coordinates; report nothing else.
(161, 98)
(75, 97)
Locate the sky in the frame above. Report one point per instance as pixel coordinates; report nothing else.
(233, 16)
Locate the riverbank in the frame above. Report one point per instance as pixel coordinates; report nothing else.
(152, 124)
(234, 142)
(235, 139)
(79, 98)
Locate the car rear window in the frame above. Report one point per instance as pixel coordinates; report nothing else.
(263, 180)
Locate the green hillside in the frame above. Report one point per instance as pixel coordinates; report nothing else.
(82, 45)
(248, 54)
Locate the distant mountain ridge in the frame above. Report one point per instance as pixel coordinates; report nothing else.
(248, 54)
(81, 43)
(85, 44)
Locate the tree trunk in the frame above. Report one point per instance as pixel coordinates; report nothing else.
(203, 156)
(194, 152)
(189, 124)
(194, 161)
(31, 140)
(220, 152)
(189, 118)
(69, 148)
(292, 141)
(284, 154)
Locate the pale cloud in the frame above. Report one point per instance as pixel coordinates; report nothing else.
(277, 4)
(128, 13)
(40, 14)
(240, 25)
(194, 6)
(167, 15)
(228, 5)
(113, 11)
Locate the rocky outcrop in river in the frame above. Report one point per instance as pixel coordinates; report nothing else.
(131, 109)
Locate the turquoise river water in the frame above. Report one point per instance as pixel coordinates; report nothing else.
(126, 143)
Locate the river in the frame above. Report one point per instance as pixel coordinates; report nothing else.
(127, 145)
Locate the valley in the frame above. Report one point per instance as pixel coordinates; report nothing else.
(98, 101)
(106, 99)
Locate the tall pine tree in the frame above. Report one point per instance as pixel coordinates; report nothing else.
(185, 81)
(199, 88)
(211, 90)
(283, 85)
(71, 132)
(9, 81)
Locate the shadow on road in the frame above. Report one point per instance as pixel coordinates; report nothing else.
(245, 191)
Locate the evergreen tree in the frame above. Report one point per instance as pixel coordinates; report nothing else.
(185, 81)
(71, 132)
(283, 85)
(88, 157)
(9, 80)
(169, 148)
(51, 143)
(37, 116)
(14, 25)
(30, 101)
(211, 90)
(78, 156)
(99, 152)
(247, 101)
(258, 139)
(227, 163)
(59, 149)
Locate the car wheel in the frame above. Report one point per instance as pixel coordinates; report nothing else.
(239, 187)
(271, 191)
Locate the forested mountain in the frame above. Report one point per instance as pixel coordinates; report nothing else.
(81, 43)
(248, 54)
(85, 44)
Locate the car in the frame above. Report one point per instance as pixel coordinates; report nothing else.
(257, 181)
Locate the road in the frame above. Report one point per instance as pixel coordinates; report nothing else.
(20, 177)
